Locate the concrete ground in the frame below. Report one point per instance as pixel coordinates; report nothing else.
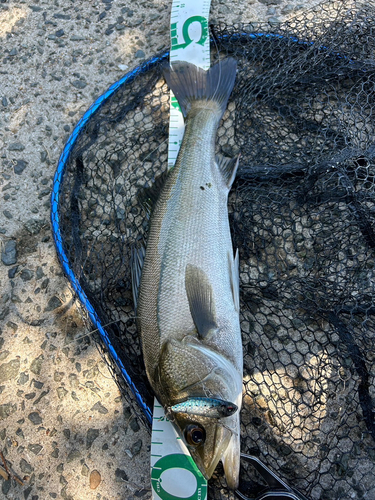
(65, 430)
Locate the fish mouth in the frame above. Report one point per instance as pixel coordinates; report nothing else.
(207, 457)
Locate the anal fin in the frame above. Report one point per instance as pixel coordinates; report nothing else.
(136, 263)
(148, 196)
(235, 278)
(228, 168)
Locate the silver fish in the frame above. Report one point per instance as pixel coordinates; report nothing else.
(207, 407)
(188, 295)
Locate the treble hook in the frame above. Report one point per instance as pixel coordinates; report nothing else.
(277, 488)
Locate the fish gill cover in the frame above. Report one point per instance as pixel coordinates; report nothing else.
(302, 214)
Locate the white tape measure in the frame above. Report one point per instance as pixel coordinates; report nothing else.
(174, 475)
(190, 41)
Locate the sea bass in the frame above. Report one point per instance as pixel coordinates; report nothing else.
(188, 295)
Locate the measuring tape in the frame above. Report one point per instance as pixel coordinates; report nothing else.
(174, 475)
(190, 41)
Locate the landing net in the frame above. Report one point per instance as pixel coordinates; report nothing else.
(302, 213)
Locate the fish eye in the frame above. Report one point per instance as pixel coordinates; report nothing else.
(195, 435)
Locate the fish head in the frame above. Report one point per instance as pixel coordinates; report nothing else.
(190, 370)
(206, 438)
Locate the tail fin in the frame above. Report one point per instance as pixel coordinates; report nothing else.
(190, 83)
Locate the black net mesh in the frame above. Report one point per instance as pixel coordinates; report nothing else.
(302, 213)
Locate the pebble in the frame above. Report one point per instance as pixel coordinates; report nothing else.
(35, 448)
(58, 376)
(134, 425)
(6, 410)
(79, 84)
(136, 447)
(53, 303)
(4, 313)
(20, 166)
(4, 101)
(35, 418)
(20, 433)
(61, 392)
(95, 479)
(287, 9)
(99, 408)
(16, 146)
(12, 326)
(77, 38)
(91, 435)
(9, 253)
(61, 16)
(3, 354)
(36, 365)
(12, 272)
(27, 492)
(85, 470)
(25, 466)
(140, 54)
(23, 378)
(37, 385)
(73, 455)
(6, 486)
(120, 476)
(9, 371)
(34, 226)
(8, 214)
(273, 21)
(39, 273)
(27, 274)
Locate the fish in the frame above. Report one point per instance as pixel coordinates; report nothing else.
(209, 407)
(186, 279)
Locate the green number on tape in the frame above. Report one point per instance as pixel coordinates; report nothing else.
(177, 461)
(175, 104)
(185, 32)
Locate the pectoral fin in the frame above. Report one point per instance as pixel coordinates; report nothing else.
(201, 302)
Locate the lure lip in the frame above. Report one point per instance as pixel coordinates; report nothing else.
(227, 408)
